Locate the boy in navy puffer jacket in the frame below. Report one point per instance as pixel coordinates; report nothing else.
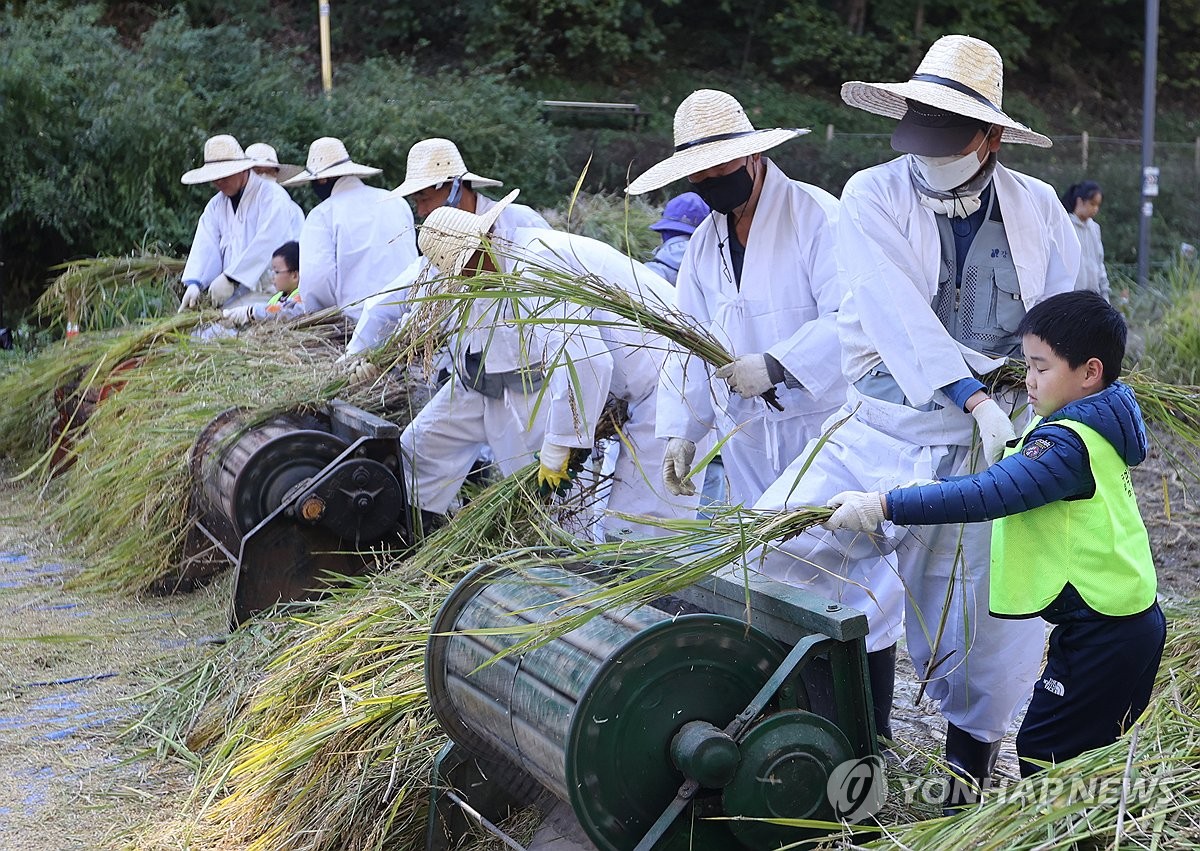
(1068, 544)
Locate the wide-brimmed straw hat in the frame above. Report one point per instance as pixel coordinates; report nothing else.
(264, 156)
(223, 157)
(449, 236)
(959, 74)
(327, 157)
(711, 128)
(435, 161)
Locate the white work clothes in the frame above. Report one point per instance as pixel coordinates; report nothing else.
(442, 443)
(890, 252)
(614, 358)
(786, 307)
(382, 313)
(353, 243)
(1092, 274)
(635, 486)
(240, 243)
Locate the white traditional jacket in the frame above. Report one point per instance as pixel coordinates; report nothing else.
(786, 307)
(583, 363)
(383, 312)
(890, 255)
(353, 243)
(241, 243)
(1092, 274)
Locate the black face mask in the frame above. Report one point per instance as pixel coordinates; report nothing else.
(323, 189)
(727, 192)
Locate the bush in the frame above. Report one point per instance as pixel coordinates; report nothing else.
(1168, 313)
(381, 108)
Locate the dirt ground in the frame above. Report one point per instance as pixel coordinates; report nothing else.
(72, 665)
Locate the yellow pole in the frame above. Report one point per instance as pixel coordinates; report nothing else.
(326, 62)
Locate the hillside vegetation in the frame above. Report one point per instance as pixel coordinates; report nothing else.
(103, 106)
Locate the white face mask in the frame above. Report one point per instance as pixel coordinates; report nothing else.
(946, 173)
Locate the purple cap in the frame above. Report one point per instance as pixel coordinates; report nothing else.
(683, 214)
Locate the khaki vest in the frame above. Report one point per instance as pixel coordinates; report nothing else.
(1099, 545)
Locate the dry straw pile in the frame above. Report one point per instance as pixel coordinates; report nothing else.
(123, 501)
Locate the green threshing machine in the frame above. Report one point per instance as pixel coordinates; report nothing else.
(678, 726)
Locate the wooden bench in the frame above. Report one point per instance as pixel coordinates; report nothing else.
(636, 116)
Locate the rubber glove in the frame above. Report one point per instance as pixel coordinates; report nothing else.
(995, 428)
(191, 298)
(238, 316)
(747, 376)
(553, 473)
(856, 511)
(221, 290)
(677, 463)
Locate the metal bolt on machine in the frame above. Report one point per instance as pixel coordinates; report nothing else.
(667, 727)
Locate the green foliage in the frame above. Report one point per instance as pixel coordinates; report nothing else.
(566, 36)
(381, 108)
(1169, 310)
(94, 137)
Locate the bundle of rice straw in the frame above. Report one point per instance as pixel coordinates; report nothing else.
(109, 292)
(331, 746)
(124, 500)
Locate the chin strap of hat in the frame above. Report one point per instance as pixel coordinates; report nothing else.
(455, 193)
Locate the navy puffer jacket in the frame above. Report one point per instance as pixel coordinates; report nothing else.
(1054, 465)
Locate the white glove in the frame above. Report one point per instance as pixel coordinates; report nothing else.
(191, 298)
(221, 290)
(995, 428)
(360, 371)
(747, 376)
(241, 315)
(677, 463)
(857, 511)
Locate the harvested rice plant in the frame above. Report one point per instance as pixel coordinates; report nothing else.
(313, 728)
(229, 624)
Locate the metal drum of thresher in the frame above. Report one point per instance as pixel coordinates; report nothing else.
(294, 502)
(620, 714)
(243, 471)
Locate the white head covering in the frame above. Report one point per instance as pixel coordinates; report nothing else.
(959, 74)
(710, 128)
(264, 156)
(223, 157)
(450, 236)
(435, 161)
(327, 157)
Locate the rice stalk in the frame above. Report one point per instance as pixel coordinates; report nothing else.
(124, 502)
(108, 292)
(1148, 780)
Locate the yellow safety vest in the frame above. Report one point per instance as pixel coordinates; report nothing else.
(1099, 544)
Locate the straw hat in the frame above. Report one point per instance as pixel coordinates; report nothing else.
(710, 128)
(450, 236)
(435, 161)
(264, 155)
(327, 157)
(959, 74)
(223, 157)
